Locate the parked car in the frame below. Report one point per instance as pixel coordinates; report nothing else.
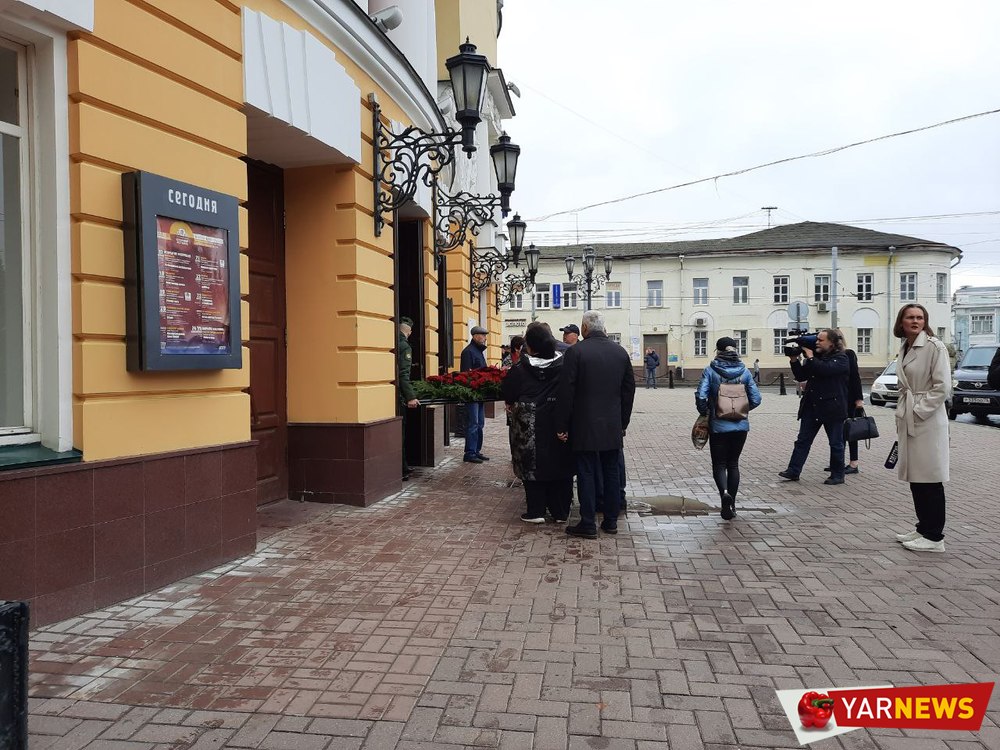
(972, 394)
(885, 389)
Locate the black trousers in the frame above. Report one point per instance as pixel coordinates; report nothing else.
(928, 502)
(726, 448)
(553, 495)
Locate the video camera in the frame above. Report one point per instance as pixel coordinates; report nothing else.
(799, 340)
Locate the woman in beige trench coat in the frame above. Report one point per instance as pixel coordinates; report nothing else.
(924, 374)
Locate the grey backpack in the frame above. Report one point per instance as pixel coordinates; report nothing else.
(732, 403)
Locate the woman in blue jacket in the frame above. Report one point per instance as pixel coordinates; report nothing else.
(726, 437)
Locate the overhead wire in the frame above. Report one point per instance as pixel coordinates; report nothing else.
(785, 160)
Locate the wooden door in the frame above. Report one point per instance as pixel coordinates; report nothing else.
(659, 345)
(268, 387)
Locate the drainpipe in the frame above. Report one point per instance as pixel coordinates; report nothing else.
(681, 336)
(833, 287)
(888, 302)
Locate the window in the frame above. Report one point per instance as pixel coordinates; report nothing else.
(981, 324)
(517, 301)
(700, 291)
(821, 288)
(780, 290)
(571, 297)
(942, 288)
(780, 334)
(741, 341)
(16, 271)
(866, 287)
(741, 290)
(908, 287)
(864, 341)
(940, 333)
(654, 294)
(614, 294)
(701, 343)
(616, 337)
(543, 296)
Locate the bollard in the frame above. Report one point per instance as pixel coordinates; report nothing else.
(14, 675)
(781, 385)
(670, 379)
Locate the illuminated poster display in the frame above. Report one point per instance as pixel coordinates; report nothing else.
(194, 288)
(182, 276)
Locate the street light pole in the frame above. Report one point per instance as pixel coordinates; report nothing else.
(590, 282)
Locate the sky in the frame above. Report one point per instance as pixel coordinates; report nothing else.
(619, 98)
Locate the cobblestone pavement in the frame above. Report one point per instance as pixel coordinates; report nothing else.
(436, 619)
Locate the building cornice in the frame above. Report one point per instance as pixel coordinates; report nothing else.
(351, 30)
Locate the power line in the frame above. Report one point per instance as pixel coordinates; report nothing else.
(825, 152)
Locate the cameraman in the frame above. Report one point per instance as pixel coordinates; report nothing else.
(824, 403)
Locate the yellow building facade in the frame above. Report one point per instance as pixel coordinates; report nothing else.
(120, 481)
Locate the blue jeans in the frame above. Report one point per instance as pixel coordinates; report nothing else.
(475, 418)
(808, 429)
(590, 468)
(651, 377)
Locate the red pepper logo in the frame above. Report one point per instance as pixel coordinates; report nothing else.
(815, 709)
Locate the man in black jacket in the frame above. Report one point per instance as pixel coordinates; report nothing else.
(993, 378)
(473, 357)
(592, 414)
(824, 403)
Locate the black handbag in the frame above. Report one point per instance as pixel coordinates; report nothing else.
(860, 428)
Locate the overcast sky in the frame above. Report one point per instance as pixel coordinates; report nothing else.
(618, 98)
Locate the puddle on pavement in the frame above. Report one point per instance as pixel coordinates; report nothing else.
(678, 505)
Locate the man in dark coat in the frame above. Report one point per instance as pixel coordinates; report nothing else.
(824, 404)
(407, 398)
(474, 357)
(652, 361)
(592, 414)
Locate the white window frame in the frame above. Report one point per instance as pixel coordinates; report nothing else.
(779, 335)
(543, 294)
(24, 432)
(701, 343)
(782, 284)
(616, 290)
(654, 295)
(865, 336)
(821, 287)
(742, 339)
(984, 323)
(866, 287)
(700, 293)
(616, 337)
(942, 288)
(516, 301)
(741, 291)
(908, 286)
(571, 296)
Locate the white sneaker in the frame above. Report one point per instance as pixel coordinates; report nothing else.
(532, 519)
(908, 536)
(924, 545)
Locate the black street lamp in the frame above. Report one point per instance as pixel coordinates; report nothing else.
(516, 228)
(505, 155)
(587, 280)
(413, 156)
(518, 283)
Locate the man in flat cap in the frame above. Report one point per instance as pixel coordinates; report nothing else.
(474, 357)
(404, 362)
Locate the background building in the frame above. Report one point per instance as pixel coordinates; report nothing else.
(976, 315)
(680, 297)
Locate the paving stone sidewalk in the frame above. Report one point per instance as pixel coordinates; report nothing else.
(437, 619)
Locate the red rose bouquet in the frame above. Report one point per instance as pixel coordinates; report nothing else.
(482, 384)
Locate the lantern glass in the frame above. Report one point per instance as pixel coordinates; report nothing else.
(608, 261)
(589, 259)
(468, 72)
(531, 255)
(570, 266)
(505, 155)
(516, 228)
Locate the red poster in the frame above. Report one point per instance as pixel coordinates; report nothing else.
(194, 288)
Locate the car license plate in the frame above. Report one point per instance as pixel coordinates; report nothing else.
(974, 400)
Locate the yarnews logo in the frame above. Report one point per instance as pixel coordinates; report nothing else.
(817, 714)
